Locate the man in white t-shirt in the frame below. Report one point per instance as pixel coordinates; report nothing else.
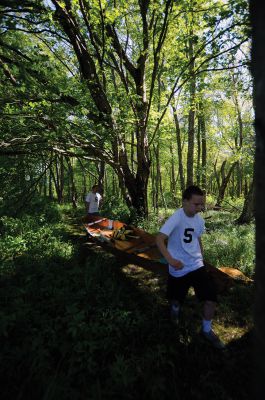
(93, 200)
(183, 252)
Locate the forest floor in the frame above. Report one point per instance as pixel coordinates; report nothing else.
(99, 329)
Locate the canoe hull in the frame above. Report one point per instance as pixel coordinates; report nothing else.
(142, 250)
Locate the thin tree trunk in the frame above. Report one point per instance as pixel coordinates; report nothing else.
(204, 148)
(154, 187)
(45, 183)
(101, 174)
(73, 191)
(191, 119)
(173, 177)
(50, 183)
(198, 168)
(239, 179)
(239, 137)
(158, 177)
(59, 178)
(247, 214)
(179, 149)
(223, 186)
(216, 173)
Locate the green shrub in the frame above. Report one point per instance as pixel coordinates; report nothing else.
(227, 244)
(31, 240)
(115, 208)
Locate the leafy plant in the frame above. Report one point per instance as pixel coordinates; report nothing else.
(227, 244)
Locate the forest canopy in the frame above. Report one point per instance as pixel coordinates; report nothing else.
(142, 97)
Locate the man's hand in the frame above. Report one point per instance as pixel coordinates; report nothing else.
(176, 264)
(160, 241)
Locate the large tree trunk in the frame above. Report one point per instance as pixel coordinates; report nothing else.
(257, 11)
(134, 189)
(133, 185)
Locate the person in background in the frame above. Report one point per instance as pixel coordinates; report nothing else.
(93, 201)
(179, 241)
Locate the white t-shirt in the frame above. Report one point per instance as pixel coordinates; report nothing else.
(93, 199)
(183, 233)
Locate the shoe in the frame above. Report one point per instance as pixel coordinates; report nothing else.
(174, 314)
(213, 339)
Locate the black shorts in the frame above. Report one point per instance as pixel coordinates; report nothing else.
(177, 288)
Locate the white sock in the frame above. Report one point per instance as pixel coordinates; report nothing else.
(206, 325)
(175, 308)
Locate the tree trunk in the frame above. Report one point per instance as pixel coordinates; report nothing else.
(204, 147)
(198, 168)
(224, 183)
(101, 173)
(239, 137)
(191, 123)
(154, 188)
(45, 183)
(239, 179)
(179, 147)
(247, 214)
(191, 132)
(133, 185)
(173, 176)
(216, 174)
(50, 183)
(73, 191)
(59, 178)
(158, 176)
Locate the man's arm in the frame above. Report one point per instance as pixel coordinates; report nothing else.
(161, 244)
(87, 206)
(100, 201)
(200, 243)
(87, 202)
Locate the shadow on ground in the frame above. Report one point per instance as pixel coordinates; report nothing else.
(96, 329)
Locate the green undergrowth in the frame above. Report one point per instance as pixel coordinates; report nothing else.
(32, 240)
(77, 324)
(228, 244)
(101, 330)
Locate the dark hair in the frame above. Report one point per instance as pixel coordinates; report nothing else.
(190, 191)
(93, 187)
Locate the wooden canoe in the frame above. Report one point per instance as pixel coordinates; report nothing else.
(140, 249)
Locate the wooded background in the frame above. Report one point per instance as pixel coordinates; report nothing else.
(142, 97)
